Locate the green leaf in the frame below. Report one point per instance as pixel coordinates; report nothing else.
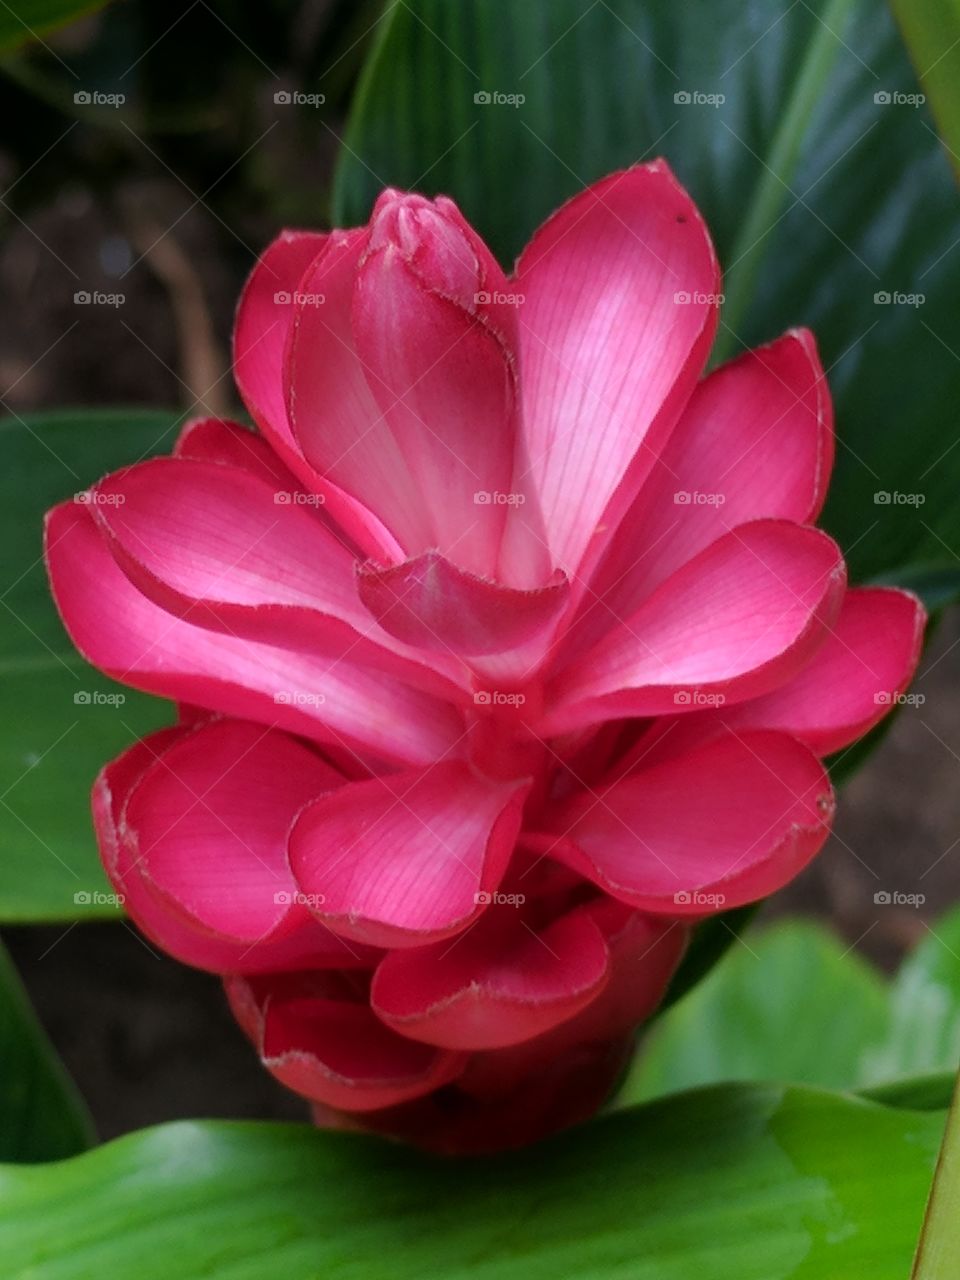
(916, 1093)
(59, 730)
(42, 1116)
(896, 1042)
(769, 1010)
(29, 20)
(819, 197)
(757, 1183)
(931, 29)
(923, 1035)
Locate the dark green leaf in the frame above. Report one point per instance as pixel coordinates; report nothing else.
(41, 1114)
(58, 728)
(931, 29)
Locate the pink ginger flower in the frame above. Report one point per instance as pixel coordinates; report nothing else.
(506, 651)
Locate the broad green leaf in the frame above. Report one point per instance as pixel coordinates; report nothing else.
(769, 1010)
(26, 21)
(822, 187)
(754, 1183)
(931, 29)
(62, 721)
(42, 1117)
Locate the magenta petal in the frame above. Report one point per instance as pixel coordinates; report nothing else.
(428, 601)
(619, 312)
(442, 378)
(406, 858)
(324, 697)
(228, 443)
(217, 542)
(755, 441)
(853, 680)
(265, 318)
(333, 412)
(502, 982)
(734, 622)
(334, 1050)
(721, 826)
(293, 937)
(209, 823)
(228, 550)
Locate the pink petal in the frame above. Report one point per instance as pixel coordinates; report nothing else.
(209, 822)
(323, 697)
(265, 317)
(217, 543)
(502, 982)
(608, 356)
(721, 826)
(644, 954)
(230, 551)
(441, 376)
(734, 622)
(755, 441)
(333, 412)
(428, 601)
(228, 443)
(408, 858)
(853, 680)
(336, 1052)
(293, 937)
